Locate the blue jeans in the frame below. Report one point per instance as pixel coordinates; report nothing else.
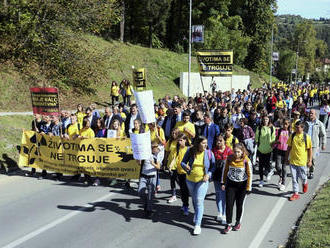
(220, 198)
(298, 172)
(198, 192)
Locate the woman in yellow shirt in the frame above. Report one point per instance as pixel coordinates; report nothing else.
(156, 134)
(114, 92)
(199, 165)
(118, 129)
(86, 132)
(170, 161)
(129, 93)
(180, 151)
(80, 115)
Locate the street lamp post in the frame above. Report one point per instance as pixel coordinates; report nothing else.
(271, 58)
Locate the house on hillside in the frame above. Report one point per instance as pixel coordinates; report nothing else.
(324, 65)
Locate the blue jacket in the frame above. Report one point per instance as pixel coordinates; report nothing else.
(211, 134)
(209, 162)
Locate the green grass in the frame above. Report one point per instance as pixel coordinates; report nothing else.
(162, 70)
(314, 228)
(11, 134)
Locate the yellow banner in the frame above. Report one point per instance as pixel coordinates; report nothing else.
(28, 151)
(101, 157)
(215, 63)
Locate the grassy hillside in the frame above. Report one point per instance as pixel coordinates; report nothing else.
(163, 71)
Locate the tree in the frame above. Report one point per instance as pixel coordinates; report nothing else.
(286, 64)
(258, 19)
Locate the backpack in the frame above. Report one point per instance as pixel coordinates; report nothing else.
(259, 129)
(305, 138)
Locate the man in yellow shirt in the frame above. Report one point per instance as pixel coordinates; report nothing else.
(185, 126)
(300, 152)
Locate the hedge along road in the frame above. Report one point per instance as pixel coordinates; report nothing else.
(46, 213)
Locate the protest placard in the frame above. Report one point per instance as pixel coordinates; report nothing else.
(111, 133)
(141, 145)
(45, 101)
(145, 104)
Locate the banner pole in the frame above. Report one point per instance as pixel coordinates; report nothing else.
(202, 82)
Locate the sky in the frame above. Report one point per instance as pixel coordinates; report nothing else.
(304, 8)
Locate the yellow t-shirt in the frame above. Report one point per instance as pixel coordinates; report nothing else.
(299, 153)
(87, 133)
(229, 141)
(115, 90)
(171, 148)
(179, 158)
(128, 90)
(281, 104)
(72, 130)
(123, 115)
(197, 173)
(153, 136)
(80, 118)
(191, 127)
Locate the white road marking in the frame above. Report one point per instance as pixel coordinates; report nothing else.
(53, 224)
(264, 229)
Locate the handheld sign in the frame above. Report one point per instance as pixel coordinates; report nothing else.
(145, 104)
(141, 145)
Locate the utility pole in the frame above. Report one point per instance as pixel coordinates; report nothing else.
(189, 63)
(271, 58)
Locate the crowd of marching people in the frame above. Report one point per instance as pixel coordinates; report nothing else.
(218, 137)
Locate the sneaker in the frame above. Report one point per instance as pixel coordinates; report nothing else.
(305, 187)
(197, 230)
(311, 175)
(185, 211)
(96, 182)
(148, 214)
(294, 197)
(227, 229)
(269, 175)
(219, 218)
(281, 187)
(237, 227)
(261, 184)
(172, 199)
(224, 222)
(113, 182)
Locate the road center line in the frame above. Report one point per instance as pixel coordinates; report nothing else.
(54, 223)
(261, 234)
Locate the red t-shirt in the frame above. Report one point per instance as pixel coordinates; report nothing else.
(222, 155)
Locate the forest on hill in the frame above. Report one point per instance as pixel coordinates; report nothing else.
(307, 38)
(50, 40)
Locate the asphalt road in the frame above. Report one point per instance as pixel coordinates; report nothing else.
(46, 213)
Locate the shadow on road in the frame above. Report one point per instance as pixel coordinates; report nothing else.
(165, 213)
